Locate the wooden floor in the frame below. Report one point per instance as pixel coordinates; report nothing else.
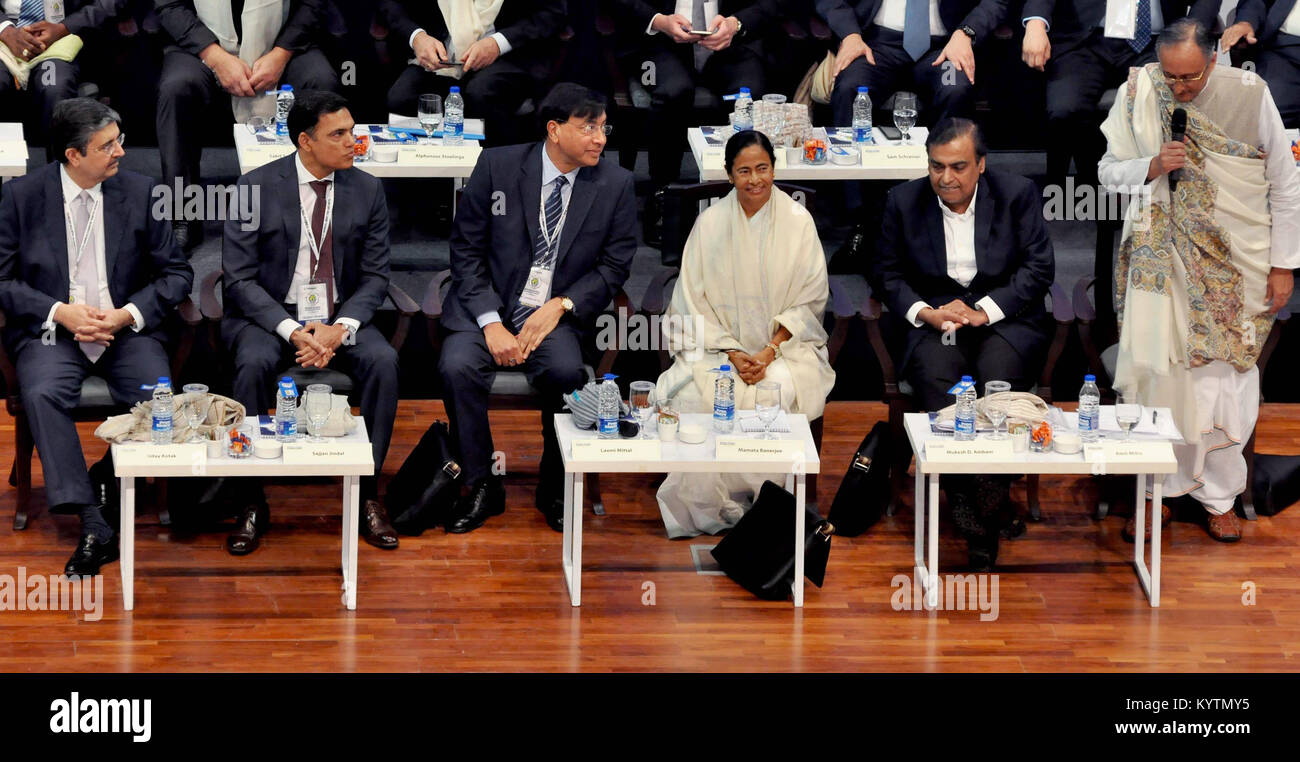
(495, 600)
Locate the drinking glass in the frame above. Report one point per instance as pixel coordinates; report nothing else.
(641, 398)
(767, 402)
(429, 111)
(317, 404)
(1127, 412)
(996, 408)
(905, 108)
(196, 413)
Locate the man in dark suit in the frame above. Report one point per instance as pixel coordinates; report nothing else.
(303, 288)
(658, 32)
(202, 66)
(497, 76)
(1273, 27)
(27, 30)
(1084, 57)
(965, 258)
(87, 278)
(568, 233)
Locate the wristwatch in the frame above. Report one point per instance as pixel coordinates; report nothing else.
(740, 26)
(776, 350)
(970, 32)
(567, 304)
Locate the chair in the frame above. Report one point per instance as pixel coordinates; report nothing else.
(899, 394)
(510, 388)
(95, 404)
(1103, 363)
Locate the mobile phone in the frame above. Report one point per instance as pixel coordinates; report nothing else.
(891, 133)
(702, 32)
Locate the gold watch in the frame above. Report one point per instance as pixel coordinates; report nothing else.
(567, 304)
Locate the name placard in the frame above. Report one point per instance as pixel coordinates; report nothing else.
(13, 152)
(767, 450)
(712, 158)
(616, 449)
(974, 451)
(262, 154)
(331, 453)
(1129, 452)
(142, 454)
(437, 155)
(893, 155)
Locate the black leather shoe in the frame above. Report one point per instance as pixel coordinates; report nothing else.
(90, 554)
(550, 501)
(554, 514)
(851, 257)
(485, 499)
(250, 527)
(375, 528)
(652, 222)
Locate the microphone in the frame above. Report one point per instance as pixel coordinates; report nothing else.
(1178, 127)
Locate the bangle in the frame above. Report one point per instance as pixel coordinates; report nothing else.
(776, 350)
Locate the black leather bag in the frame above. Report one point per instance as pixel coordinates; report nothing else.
(1277, 483)
(758, 552)
(863, 494)
(423, 491)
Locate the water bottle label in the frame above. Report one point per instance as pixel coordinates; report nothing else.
(862, 135)
(724, 412)
(609, 426)
(162, 423)
(961, 386)
(1088, 422)
(964, 426)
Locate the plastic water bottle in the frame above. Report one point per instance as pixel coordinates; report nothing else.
(862, 117)
(964, 426)
(744, 110)
(724, 401)
(607, 407)
(283, 102)
(1089, 409)
(453, 119)
(286, 411)
(162, 411)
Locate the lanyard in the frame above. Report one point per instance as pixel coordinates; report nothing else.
(550, 236)
(315, 245)
(72, 235)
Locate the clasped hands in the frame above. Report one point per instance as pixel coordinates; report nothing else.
(751, 368)
(91, 324)
(317, 342)
(508, 349)
(952, 316)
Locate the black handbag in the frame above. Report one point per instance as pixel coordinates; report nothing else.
(1277, 483)
(758, 552)
(860, 501)
(423, 491)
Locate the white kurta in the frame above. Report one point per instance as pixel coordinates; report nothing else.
(742, 279)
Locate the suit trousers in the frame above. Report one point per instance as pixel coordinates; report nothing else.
(1279, 65)
(50, 82)
(494, 93)
(467, 368)
(189, 95)
(261, 357)
(935, 366)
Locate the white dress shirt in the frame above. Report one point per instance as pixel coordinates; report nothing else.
(893, 14)
(302, 270)
(1279, 169)
(9, 10)
(70, 191)
(502, 42)
(1157, 18)
(959, 248)
(1292, 23)
(686, 9)
(549, 173)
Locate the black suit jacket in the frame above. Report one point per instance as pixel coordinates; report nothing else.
(89, 16)
(530, 26)
(1266, 16)
(846, 17)
(491, 253)
(1012, 250)
(1072, 21)
(257, 265)
(183, 26)
(145, 266)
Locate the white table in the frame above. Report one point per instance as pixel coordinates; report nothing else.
(677, 456)
(431, 160)
(927, 569)
(13, 150)
(709, 161)
(351, 469)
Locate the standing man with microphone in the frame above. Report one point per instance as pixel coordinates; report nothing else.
(1205, 265)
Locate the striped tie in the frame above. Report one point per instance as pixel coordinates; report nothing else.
(31, 11)
(1142, 29)
(543, 254)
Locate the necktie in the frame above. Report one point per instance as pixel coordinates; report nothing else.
(544, 253)
(1142, 27)
(30, 12)
(87, 268)
(698, 22)
(916, 28)
(323, 268)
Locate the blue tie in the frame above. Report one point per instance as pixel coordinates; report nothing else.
(916, 28)
(544, 253)
(31, 11)
(1142, 30)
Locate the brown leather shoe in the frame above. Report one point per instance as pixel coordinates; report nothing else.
(249, 529)
(1130, 528)
(1223, 527)
(375, 528)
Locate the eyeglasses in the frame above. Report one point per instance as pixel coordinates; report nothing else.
(108, 148)
(589, 129)
(1184, 79)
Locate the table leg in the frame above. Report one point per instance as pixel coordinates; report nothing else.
(1157, 499)
(1144, 574)
(566, 544)
(918, 518)
(456, 184)
(126, 542)
(800, 528)
(932, 568)
(575, 515)
(351, 505)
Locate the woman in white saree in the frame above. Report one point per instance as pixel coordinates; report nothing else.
(751, 294)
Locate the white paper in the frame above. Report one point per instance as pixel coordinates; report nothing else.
(1121, 19)
(327, 453)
